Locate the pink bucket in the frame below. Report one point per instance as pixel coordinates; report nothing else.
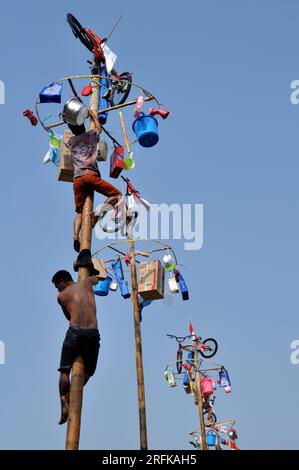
(206, 385)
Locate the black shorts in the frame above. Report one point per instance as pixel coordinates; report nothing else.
(84, 342)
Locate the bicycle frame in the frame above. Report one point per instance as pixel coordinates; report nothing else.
(189, 347)
(121, 207)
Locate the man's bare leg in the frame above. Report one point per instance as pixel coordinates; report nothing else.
(77, 228)
(64, 390)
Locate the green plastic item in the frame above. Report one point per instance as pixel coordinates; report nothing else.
(129, 163)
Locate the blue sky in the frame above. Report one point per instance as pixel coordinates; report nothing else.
(224, 69)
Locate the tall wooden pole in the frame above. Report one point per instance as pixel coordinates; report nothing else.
(77, 382)
(199, 400)
(138, 342)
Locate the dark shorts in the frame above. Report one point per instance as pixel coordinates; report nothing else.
(84, 342)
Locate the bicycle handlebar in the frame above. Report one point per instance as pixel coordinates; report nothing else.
(179, 339)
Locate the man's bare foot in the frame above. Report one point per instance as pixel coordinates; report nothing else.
(77, 245)
(64, 410)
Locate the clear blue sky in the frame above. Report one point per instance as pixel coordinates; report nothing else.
(225, 69)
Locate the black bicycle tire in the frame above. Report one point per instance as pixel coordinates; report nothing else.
(206, 413)
(126, 94)
(102, 214)
(179, 360)
(207, 355)
(78, 31)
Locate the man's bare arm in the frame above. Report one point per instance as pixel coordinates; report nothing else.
(94, 280)
(95, 120)
(66, 314)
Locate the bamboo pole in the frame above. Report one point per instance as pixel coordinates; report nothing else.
(77, 381)
(199, 400)
(138, 342)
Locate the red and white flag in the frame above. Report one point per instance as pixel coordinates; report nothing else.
(194, 336)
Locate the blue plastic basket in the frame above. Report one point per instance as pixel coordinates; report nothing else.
(102, 287)
(146, 130)
(211, 438)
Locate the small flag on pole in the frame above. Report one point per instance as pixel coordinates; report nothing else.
(194, 336)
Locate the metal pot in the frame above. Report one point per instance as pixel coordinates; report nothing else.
(74, 112)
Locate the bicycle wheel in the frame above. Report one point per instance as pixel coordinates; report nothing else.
(212, 348)
(122, 88)
(209, 418)
(110, 222)
(179, 360)
(79, 31)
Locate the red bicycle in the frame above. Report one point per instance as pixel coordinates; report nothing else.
(119, 85)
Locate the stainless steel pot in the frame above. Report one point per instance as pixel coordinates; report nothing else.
(74, 112)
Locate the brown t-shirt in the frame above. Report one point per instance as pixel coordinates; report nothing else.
(84, 152)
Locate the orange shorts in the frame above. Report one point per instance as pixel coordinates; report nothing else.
(89, 182)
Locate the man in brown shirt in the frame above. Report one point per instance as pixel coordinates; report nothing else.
(87, 178)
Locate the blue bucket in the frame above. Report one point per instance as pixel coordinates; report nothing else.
(146, 130)
(211, 438)
(102, 287)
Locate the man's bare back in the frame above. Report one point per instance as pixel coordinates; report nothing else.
(78, 303)
(82, 337)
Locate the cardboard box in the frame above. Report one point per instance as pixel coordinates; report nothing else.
(151, 280)
(99, 265)
(117, 162)
(66, 166)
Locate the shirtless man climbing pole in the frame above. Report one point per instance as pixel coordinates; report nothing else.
(82, 338)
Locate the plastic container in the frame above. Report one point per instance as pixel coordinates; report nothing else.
(170, 378)
(211, 438)
(206, 385)
(113, 286)
(138, 106)
(102, 287)
(55, 141)
(168, 261)
(129, 163)
(146, 130)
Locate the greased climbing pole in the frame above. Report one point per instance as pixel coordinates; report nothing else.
(138, 341)
(77, 377)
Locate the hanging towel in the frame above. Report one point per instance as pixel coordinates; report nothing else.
(103, 103)
(183, 287)
(51, 93)
(123, 285)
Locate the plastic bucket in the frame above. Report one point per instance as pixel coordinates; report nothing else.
(211, 438)
(146, 130)
(206, 386)
(102, 287)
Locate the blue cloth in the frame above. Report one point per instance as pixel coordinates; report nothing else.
(118, 272)
(103, 104)
(51, 93)
(183, 287)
